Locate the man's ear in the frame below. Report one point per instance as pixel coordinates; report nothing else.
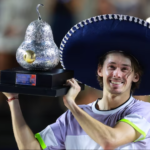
(99, 71)
(136, 77)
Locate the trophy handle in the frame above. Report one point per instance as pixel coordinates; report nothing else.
(37, 9)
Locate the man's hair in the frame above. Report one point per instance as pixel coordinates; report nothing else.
(134, 64)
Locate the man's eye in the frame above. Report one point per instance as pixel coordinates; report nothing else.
(111, 67)
(124, 69)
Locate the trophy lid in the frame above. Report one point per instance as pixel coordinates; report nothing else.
(38, 30)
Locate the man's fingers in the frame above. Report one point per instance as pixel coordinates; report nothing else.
(74, 81)
(71, 82)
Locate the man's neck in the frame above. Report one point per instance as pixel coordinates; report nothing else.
(112, 101)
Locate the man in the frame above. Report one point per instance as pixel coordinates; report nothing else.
(117, 121)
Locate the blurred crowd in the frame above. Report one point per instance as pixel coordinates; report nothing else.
(16, 15)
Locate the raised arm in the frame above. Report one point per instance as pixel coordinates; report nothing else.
(24, 136)
(107, 137)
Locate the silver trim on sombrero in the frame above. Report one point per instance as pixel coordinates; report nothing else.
(95, 19)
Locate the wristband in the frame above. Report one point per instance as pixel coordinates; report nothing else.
(11, 99)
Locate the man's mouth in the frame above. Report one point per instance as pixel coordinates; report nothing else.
(116, 82)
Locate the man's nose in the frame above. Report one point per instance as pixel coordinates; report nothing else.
(117, 73)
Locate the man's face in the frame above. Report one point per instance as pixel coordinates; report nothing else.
(117, 74)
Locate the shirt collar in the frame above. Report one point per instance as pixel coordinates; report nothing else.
(108, 112)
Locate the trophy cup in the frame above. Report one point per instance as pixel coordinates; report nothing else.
(38, 56)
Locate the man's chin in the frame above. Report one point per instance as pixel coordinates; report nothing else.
(116, 92)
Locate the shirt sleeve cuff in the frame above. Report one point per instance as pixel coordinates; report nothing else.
(39, 138)
(139, 123)
(143, 134)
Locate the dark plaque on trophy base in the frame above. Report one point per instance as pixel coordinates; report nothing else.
(47, 83)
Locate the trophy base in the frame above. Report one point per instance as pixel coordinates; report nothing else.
(45, 83)
(50, 92)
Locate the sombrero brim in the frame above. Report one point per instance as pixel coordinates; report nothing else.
(88, 40)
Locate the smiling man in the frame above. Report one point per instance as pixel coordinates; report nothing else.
(118, 76)
(118, 72)
(117, 121)
(118, 113)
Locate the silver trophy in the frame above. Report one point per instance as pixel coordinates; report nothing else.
(38, 50)
(38, 56)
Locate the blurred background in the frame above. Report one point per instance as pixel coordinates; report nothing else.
(15, 16)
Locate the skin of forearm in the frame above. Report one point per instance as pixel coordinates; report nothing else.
(100, 133)
(24, 137)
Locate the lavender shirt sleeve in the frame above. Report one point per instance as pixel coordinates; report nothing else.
(139, 118)
(53, 136)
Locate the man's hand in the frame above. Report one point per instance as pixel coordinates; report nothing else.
(74, 90)
(10, 95)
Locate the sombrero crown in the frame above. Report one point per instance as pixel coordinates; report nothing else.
(88, 40)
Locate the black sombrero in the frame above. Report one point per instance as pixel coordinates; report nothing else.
(88, 40)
